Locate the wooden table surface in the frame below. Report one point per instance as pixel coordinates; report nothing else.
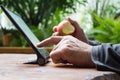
(12, 68)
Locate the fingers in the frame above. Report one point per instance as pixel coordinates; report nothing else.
(74, 23)
(55, 28)
(56, 34)
(55, 55)
(50, 40)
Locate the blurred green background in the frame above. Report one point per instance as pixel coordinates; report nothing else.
(99, 18)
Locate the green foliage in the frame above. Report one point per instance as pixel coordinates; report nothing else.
(103, 8)
(107, 30)
(18, 40)
(38, 11)
(41, 15)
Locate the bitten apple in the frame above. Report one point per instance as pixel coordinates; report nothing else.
(65, 28)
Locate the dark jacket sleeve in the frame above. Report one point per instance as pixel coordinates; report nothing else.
(106, 56)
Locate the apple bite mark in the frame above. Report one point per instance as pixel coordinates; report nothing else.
(68, 28)
(65, 28)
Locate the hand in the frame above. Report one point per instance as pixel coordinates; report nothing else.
(79, 33)
(69, 49)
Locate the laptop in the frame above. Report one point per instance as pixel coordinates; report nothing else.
(41, 53)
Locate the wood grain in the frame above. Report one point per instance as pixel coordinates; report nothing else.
(22, 50)
(12, 68)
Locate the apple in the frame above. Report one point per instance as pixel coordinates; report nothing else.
(65, 28)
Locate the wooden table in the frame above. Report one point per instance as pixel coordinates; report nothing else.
(12, 68)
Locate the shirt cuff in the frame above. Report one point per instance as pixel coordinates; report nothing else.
(96, 57)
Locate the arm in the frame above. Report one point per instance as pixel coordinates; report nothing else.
(94, 43)
(79, 51)
(106, 57)
(69, 49)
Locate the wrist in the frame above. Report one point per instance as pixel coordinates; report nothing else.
(89, 61)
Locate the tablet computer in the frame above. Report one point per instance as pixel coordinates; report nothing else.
(18, 22)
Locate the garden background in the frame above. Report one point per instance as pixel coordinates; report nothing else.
(98, 18)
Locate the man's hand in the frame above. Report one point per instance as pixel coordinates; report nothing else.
(69, 49)
(78, 33)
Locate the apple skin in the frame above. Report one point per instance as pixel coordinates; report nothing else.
(64, 28)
